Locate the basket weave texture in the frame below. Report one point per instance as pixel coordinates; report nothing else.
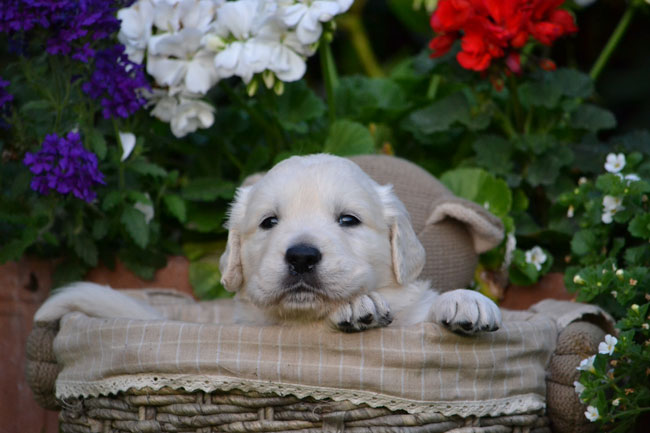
(168, 410)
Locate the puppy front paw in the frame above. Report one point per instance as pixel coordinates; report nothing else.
(364, 312)
(466, 312)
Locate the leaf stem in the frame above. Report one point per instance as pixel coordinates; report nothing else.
(353, 24)
(613, 42)
(329, 76)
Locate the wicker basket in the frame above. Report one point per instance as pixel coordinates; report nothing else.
(168, 410)
(172, 410)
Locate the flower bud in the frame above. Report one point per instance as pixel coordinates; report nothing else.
(214, 43)
(251, 88)
(577, 279)
(635, 308)
(278, 88)
(620, 274)
(269, 78)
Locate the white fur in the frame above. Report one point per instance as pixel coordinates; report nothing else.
(367, 275)
(94, 300)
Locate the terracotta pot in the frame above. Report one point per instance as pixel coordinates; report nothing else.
(24, 285)
(550, 286)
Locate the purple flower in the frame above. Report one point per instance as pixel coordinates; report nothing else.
(71, 24)
(64, 165)
(117, 82)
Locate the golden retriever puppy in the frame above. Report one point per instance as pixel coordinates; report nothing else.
(316, 240)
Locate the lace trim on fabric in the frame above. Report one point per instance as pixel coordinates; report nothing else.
(525, 403)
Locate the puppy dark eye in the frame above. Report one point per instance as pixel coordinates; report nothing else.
(269, 222)
(348, 221)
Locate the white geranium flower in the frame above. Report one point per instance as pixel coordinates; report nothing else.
(607, 346)
(536, 256)
(579, 388)
(135, 28)
(179, 59)
(172, 16)
(629, 178)
(587, 364)
(189, 115)
(592, 413)
(127, 140)
(284, 48)
(615, 162)
(307, 17)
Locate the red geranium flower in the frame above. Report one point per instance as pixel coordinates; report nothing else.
(491, 29)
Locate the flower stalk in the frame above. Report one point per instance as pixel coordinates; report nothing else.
(329, 76)
(613, 42)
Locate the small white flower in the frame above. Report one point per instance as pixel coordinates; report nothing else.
(615, 162)
(645, 326)
(579, 388)
(570, 211)
(616, 402)
(592, 413)
(611, 205)
(587, 364)
(607, 346)
(577, 279)
(629, 178)
(582, 180)
(127, 139)
(536, 256)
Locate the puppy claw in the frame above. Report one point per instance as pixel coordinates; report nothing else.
(363, 312)
(466, 312)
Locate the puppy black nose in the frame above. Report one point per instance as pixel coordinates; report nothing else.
(302, 258)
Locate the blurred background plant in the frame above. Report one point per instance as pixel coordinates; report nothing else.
(126, 137)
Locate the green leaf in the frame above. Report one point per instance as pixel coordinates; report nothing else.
(592, 118)
(584, 242)
(134, 222)
(544, 169)
(100, 228)
(205, 220)
(298, 105)
(112, 199)
(369, 99)
(539, 94)
(208, 189)
(176, 206)
(97, 143)
(85, 249)
(494, 153)
(438, 116)
(143, 265)
(637, 256)
(147, 168)
(640, 226)
(13, 250)
(37, 105)
(521, 272)
(67, 272)
(572, 82)
(348, 138)
(481, 187)
(205, 279)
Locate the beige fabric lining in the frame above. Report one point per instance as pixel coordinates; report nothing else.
(422, 368)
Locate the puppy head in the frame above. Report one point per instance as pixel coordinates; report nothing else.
(314, 232)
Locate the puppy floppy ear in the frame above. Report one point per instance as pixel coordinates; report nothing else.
(407, 251)
(230, 266)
